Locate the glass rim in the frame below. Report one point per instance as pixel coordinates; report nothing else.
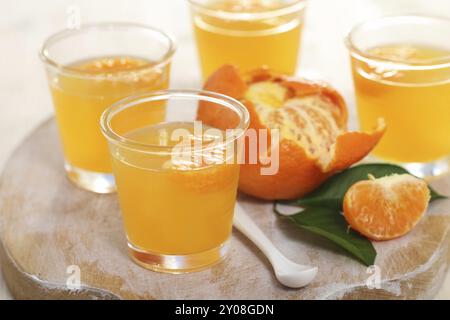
(296, 5)
(104, 26)
(134, 100)
(433, 63)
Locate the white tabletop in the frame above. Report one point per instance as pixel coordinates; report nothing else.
(24, 24)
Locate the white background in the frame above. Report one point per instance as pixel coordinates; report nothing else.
(24, 24)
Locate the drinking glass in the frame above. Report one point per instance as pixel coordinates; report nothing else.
(401, 72)
(176, 180)
(249, 34)
(89, 69)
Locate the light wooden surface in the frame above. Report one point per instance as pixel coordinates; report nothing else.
(25, 101)
(47, 225)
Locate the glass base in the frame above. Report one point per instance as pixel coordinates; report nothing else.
(430, 169)
(422, 170)
(92, 181)
(178, 263)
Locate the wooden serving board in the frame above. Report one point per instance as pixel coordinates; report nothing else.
(48, 224)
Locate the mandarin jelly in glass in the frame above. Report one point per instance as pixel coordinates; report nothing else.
(176, 180)
(249, 34)
(401, 72)
(88, 70)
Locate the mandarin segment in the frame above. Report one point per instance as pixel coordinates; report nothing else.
(267, 94)
(311, 118)
(303, 88)
(205, 179)
(386, 208)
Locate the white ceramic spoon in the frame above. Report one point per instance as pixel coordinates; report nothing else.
(289, 273)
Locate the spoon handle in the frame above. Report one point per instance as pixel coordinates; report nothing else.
(246, 225)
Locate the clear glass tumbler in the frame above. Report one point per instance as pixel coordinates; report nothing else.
(88, 70)
(176, 180)
(401, 72)
(249, 34)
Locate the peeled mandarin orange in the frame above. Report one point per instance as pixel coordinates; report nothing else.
(311, 119)
(386, 208)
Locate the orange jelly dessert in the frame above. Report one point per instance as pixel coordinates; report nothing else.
(248, 34)
(413, 100)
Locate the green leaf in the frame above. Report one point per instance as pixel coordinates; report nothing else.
(434, 195)
(331, 193)
(330, 224)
